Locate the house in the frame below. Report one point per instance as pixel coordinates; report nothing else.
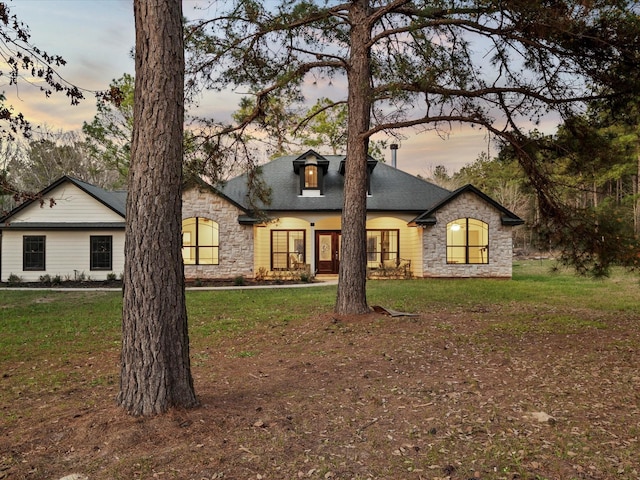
(76, 232)
(413, 227)
(410, 222)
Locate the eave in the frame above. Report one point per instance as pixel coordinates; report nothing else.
(62, 226)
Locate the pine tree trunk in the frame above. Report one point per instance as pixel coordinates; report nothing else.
(155, 373)
(352, 296)
(636, 217)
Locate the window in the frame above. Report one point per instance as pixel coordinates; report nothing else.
(311, 169)
(33, 252)
(200, 241)
(287, 249)
(101, 252)
(467, 241)
(383, 248)
(310, 176)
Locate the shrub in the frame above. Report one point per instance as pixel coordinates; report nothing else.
(239, 281)
(262, 274)
(306, 277)
(111, 277)
(14, 279)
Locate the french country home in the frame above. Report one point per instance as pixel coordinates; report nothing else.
(414, 228)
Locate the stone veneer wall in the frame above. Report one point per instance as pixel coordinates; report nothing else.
(500, 241)
(236, 241)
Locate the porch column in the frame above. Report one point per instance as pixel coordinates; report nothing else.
(312, 250)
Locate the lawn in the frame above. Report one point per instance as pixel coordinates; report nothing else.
(534, 377)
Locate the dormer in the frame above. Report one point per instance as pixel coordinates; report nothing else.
(371, 164)
(311, 168)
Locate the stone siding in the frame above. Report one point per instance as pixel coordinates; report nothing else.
(236, 241)
(468, 205)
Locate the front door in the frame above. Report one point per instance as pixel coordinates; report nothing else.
(328, 252)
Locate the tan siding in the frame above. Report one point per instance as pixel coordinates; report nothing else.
(298, 221)
(414, 249)
(331, 222)
(410, 237)
(263, 243)
(407, 236)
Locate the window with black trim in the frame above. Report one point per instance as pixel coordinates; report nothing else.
(287, 249)
(200, 241)
(383, 248)
(311, 177)
(101, 252)
(311, 170)
(33, 252)
(467, 241)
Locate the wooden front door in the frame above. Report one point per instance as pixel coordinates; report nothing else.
(328, 252)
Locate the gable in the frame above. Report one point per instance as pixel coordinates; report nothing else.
(72, 205)
(507, 217)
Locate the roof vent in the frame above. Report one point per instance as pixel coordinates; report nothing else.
(394, 154)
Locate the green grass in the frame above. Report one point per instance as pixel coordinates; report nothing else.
(533, 283)
(57, 324)
(67, 326)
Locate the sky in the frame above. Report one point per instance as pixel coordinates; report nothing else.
(96, 38)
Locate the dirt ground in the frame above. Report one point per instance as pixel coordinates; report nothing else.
(449, 395)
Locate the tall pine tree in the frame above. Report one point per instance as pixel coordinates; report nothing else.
(424, 64)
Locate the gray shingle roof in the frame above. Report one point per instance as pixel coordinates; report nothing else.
(391, 189)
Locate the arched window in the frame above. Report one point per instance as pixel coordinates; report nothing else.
(467, 241)
(200, 241)
(311, 176)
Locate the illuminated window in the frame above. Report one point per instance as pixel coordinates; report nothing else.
(383, 248)
(467, 241)
(287, 249)
(310, 176)
(200, 241)
(311, 169)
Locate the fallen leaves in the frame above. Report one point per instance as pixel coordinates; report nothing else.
(421, 398)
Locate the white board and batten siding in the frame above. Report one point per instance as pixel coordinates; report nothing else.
(67, 251)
